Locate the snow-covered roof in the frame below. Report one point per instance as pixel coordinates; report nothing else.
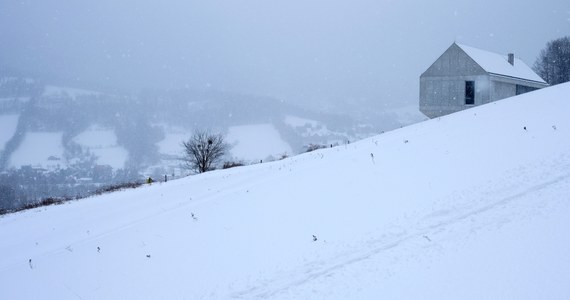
(498, 64)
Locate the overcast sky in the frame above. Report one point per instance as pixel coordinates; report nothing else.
(297, 50)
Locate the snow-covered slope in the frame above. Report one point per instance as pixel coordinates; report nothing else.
(473, 205)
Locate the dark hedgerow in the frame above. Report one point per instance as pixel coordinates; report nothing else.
(232, 164)
(60, 200)
(118, 187)
(44, 202)
(313, 147)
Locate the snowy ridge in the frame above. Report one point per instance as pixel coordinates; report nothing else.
(473, 205)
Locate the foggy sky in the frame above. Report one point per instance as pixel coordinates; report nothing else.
(297, 50)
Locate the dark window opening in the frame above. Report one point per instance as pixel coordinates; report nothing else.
(521, 89)
(469, 92)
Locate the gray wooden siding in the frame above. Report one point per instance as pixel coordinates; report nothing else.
(501, 90)
(453, 62)
(444, 95)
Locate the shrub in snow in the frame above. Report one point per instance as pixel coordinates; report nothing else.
(44, 202)
(232, 164)
(313, 147)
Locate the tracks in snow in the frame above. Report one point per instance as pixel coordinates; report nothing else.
(486, 206)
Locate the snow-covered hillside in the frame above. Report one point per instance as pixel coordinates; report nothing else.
(473, 205)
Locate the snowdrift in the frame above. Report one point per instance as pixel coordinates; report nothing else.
(473, 205)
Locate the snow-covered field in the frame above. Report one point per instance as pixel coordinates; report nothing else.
(103, 144)
(473, 205)
(173, 138)
(39, 149)
(255, 142)
(8, 123)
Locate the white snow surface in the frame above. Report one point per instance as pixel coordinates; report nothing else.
(466, 206)
(36, 150)
(255, 142)
(173, 139)
(499, 64)
(102, 142)
(8, 123)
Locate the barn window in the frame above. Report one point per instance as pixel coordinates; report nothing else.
(469, 92)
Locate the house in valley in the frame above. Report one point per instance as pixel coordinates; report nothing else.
(463, 77)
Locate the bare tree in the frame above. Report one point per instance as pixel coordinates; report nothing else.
(553, 63)
(203, 150)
